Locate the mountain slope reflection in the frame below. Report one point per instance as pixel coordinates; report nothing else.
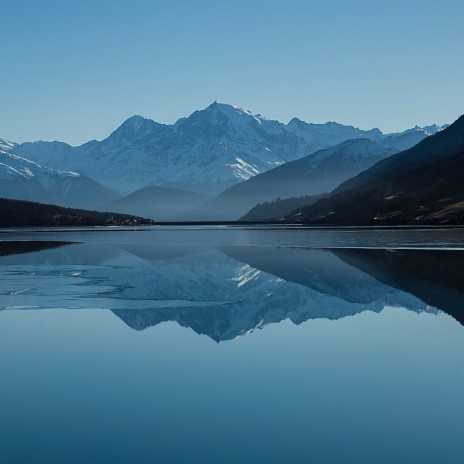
(436, 277)
(13, 247)
(229, 291)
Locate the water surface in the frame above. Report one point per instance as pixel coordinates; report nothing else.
(231, 345)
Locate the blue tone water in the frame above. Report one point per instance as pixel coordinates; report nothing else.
(250, 345)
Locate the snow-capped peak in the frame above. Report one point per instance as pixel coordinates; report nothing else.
(433, 129)
(221, 120)
(206, 152)
(227, 108)
(135, 126)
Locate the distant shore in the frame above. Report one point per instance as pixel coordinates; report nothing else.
(238, 224)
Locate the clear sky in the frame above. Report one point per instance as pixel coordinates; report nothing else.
(74, 70)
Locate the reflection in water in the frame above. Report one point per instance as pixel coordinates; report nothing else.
(226, 292)
(21, 247)
(78, 387)
(436, 277)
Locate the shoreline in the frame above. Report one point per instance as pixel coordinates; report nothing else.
(229, 224)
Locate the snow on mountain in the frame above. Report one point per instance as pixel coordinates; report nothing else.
(6, 145)
(23, 179)
(410, 137)
(314, 174)
(45, 153)
(319, 136)
(207, 152)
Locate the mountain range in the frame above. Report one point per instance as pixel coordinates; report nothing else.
(314, 174)
(23, 179)
(278, 209)
(206, 153)
(421, 185)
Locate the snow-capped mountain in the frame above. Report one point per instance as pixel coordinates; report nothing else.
(314, 174)
(409, 138)
(207, 152)
(26, 180)
(422, 185)
(319, 136)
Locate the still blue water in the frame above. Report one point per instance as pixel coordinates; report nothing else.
(225, 345)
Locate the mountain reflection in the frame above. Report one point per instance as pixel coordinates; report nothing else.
(21, 247)
(226, 292)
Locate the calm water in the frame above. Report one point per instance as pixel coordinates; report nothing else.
(253, 345)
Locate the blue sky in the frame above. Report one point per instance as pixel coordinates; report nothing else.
(74, 70)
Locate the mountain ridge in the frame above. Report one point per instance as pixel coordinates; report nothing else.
(419, 185)
(20, 213)
(23, 179)
(206, 152)
(314, 174)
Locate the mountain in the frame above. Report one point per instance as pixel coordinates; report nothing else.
(207, 152)
(419, 185)
(278, 209)
(312, 175)
(23, 179)
(319, 136)
(18, 213)
(160, 203)
(407, 139)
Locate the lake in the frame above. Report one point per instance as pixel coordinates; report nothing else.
(231, 345)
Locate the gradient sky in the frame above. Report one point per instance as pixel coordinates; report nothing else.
(74, 70)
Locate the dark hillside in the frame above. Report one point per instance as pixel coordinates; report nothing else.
(18, 213)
